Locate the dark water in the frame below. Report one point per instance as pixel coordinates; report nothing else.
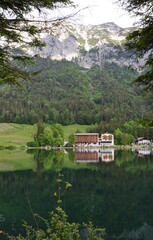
(112, 189)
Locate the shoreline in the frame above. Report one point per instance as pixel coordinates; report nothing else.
(47, 148)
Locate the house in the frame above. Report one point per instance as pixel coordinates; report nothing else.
(86, 139)
(107, 139)
(93, 139)
(142, 141)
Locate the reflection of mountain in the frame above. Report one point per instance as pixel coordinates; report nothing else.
(94, 155)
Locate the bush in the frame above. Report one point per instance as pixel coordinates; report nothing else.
(59, 228)
(32, 144)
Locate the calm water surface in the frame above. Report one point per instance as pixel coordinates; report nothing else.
(112, 189)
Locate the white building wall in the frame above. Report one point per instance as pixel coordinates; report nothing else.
(107, 139)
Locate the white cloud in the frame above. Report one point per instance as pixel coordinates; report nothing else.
(91, 12)
(102, 11)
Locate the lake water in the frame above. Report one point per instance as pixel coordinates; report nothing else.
(113, 189)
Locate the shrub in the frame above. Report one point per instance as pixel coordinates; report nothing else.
(32, 144)
(59, 228)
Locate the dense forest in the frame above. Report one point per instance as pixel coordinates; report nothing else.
(63, 92)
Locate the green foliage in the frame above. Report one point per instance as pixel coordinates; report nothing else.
(14, 25)
(49, 135)
(64, 93)
(32, 144)
(56, 228)
(122, 138)
(142, 39)
(59, 228)
(133, 129)
(71, 139)
(94, 233)
(40, 128)
(12, 134)
(141, 128)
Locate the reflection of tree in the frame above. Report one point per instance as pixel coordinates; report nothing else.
(143, 232)
(49, 160)
(57, 160)
(38, 157)
(110, 196)
(14, 187)
(132, 162)
(124, 156)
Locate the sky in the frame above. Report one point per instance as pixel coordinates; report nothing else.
(92, 12)
(102, 11)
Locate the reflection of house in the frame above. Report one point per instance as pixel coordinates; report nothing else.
(107, 155)
(93, 139)
(142, 141)
(83, 156)
(143, 152)
(94, 155)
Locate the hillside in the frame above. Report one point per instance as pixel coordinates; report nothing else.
(66, 93)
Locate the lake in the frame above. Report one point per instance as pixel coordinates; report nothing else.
(112, 188)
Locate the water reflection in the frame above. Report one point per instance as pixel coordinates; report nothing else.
(143, 233)
(94, 155)
(143, 152)
(115, 194)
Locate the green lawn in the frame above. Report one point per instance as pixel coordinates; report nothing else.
(18, 135)
(71, 129)
(12, 134)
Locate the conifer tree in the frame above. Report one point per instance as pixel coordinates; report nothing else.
(18, 28)
(141, 39)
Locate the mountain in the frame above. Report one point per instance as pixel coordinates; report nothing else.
(82, 77)
(86, 44)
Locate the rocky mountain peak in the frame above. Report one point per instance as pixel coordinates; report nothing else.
(111, 26)
(86, 44)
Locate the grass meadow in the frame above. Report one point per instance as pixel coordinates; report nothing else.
(17, 135)
(12, 134)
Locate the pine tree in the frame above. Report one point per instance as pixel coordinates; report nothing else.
(142, 39)
(15, 26)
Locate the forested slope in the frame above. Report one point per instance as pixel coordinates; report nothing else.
(64, 92)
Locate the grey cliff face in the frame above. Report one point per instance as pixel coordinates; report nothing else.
(86, 45)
